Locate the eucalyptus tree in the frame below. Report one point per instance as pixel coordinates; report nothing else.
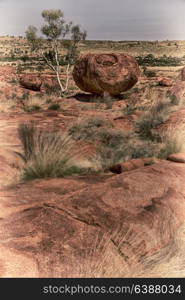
(63, 39)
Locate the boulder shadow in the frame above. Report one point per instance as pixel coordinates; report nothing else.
(88, 98)
(93, 98)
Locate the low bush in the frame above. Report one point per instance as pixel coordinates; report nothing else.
(129, 110)
(131, 148)
(172, 142)
(87, 129)
(151, 60)
(32, 108)
(54, 106)
(157, 115)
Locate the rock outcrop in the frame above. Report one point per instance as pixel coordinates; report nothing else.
(178, 90)
(177, 157)
(30, 82)
(106, 73)
(131, 165)
(90, 226)
(166, 82)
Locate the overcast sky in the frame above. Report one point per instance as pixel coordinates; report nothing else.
(103, 19)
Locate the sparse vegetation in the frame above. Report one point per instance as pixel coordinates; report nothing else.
(151, 60)
(54, 106)
(32, 108)
(149, 73)
(129, 110)
(48, 154)
(87, 129)
(55, 31)
(157, 115)
(173, 142)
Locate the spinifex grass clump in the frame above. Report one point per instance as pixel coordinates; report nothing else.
(130, 148)
(88, 129)
(157, 115)
(48, 154)
(172, 142)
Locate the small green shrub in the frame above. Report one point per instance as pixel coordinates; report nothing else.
(129, 110)
(174, 100)
(131, 149)
(151, 60)
(54, 106)
(149, 73)
(87, 130)
(112, 138)
(51, 89)
(156, 116)
(13, 81)
(142, 149)
(32, 108)
(25, 96)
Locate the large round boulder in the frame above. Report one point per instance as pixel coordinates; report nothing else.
(106, 73)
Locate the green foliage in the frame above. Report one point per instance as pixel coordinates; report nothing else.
(55, 30)
(148, 123)
(87, 130)
(129, 110)
(112, 138)
(25, 96)
(156, 116)
(33, 39)
(125, 149)
(174, 100)
(53, 89)
(149, 73)
(32, 108)
(151, 60)
(54, 106)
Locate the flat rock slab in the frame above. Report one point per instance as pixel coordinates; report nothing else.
(177, 157)
(61, 227)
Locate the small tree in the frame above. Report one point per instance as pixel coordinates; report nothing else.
(55, 30)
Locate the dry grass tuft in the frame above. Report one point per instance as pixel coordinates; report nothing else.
(172, 142)
(48, 154)
(108, 257)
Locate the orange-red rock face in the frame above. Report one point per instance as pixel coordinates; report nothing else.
(50, 226)
(111, 73)
(30, 82)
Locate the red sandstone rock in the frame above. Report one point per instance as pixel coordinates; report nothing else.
(130, 165)
(176, 122)
(30, 82)
(177, 157)
(51, 228)
(178, 90)
(183, 74)
(166, 82)
(106, 73)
